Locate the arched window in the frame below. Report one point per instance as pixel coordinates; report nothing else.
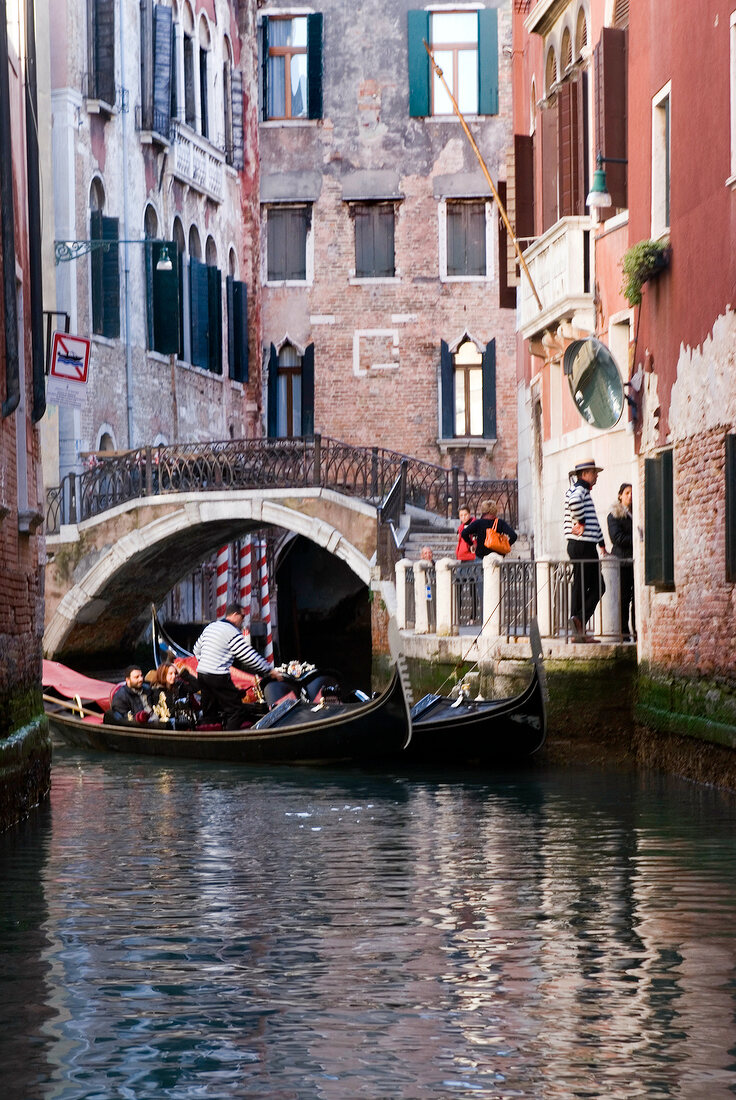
(204, 87)
(104, 266)
(581, 33)
(621, 13)
(550, 71)
(289, 418)
(195, 247)
(106, 442)
(566, 56)
(188, 68)
(205, 304)
(533, 108)
(227, 98)
(468, 390)
(211, 252)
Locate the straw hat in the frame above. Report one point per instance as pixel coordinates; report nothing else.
(581, 467)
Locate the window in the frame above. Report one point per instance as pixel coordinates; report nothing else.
(661, 123)
(465, 46)
(465, 252)
(232, 91)
(190, 109)
(287, 230)
(162, 289)
(374, 240)
(292, 66)
(104, 268)
(468, 391)
(157, 70)
(101, 50)
(659, 553)
(731, 507)
(237, 325)
(204, 76)
(205, 308)
(290, 392)
(610, 69)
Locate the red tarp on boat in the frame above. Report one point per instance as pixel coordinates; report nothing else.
(70, 684)
(244, 681)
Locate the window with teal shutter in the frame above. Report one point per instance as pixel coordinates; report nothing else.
(273, 393)
(418, 64)
(214, 319)
(199, 313)
(465, 47)
(237, 330)
(488, 61)
(105, 271)
(489, 391)
(659, 556)
(447, 396)
(163, 297)
(308, 390)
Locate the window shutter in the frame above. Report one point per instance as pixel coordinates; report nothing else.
(276, 244)
(230, 307)
(610, 68)
(110, 281)
(199, 313)
(314, 65)
(668, 518)
(474, 217)
(237, 329)
(524, 181)
(148, 254)
(384, 241)
(236, 86)
(447, 395)
(95, 232)
(203, 112)
(162, 67)
(418, 25)
(264, 67)
(308, 390)
(214, 324)
(273, 393)
(506, 291)
(659, 566)
(190, 115)
(549, 164)
(104, 32)
(730, 507)
(568, 149)
(165, 298)
(488, 61)
(489, 391)
(180, 275)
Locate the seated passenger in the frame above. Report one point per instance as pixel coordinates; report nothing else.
(131, 703)
(174, 702)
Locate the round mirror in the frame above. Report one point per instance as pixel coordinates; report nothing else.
(595, 382)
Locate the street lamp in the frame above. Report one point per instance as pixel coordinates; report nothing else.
(64, 251)
(598, 196)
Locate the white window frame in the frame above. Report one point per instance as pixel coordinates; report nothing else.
(309, 259)
(491, 238)
(661, 178)
(450, 9)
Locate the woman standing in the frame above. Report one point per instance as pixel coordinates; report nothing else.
(620, 529)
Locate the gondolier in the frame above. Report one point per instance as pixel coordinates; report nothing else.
(220, 646)
(584, 540)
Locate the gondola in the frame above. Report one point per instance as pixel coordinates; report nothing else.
(493, 732)
(293, 732)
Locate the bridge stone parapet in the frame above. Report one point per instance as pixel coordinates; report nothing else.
(103, 574)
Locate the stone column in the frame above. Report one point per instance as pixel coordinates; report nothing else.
(491, 596)
(421, 610)
(443, 574)
(611, 602)
(401, 568)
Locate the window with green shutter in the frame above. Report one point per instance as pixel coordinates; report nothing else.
(374, 240)
(468, 391)
(466, 239)
(105, 272)
(659, 554)
(730, 507)
(287, 230)
(465, 47)
(101, 50)
(163, 296)
(237, 329)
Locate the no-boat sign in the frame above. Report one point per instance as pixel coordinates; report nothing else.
(67, 381)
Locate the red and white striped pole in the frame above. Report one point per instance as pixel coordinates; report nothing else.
(223, 557)
(265, 602)
(245, 579)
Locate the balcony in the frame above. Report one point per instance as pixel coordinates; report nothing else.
(197, 162)
(560, 265)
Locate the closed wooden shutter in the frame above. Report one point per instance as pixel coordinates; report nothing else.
(489, 391)
(314, 65)
(237, 329)
(95, 233)
(374, 241)
(506, 290)
(287, 243)
(214, 324)
(488, 61)
(447, 394)
(659, 567)
(570, 149)
(466, 238)
(419, 76)
(730, 507)
(550, 159)
(308, 390)
(203, 94)
(190, 113)
(524, 181)
(148, 254)
(166, 295)
(199, 313)
(162, 68)
(236, 87)
(273, 393)
(610, 69)
(230, 308)
(104, 50)
(264, 68)
(110, 281)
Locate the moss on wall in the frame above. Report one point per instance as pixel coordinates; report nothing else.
(25, 769)
(687, 706)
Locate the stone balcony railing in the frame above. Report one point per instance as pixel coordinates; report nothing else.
(498, 599)
(198, 162)
(560, 264)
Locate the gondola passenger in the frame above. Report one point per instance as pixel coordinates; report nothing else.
(131, 704)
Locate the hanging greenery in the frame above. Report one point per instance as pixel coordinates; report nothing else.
(640, 263)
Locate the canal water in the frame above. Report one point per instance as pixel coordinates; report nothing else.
(176, 930)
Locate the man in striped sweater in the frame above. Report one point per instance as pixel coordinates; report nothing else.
(584, 539)
(220, 646)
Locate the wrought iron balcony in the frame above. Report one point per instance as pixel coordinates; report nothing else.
(198, 162)
(560, 264)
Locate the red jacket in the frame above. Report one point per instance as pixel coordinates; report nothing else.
(463, 552)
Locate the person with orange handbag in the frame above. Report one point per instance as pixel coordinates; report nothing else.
(486, 531)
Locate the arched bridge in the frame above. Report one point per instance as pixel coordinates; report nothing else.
(121, 534)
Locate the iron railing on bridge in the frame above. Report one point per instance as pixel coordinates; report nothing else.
(366, 472)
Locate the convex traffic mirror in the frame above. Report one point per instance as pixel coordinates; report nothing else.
(595, 382)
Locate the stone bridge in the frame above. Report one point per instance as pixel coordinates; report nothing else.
(120, 535)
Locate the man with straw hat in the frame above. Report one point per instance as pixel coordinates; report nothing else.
(584, 540)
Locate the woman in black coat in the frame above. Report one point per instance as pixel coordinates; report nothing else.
(478, 528)
(621, 531)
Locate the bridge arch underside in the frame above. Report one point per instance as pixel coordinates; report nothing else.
(99, 588)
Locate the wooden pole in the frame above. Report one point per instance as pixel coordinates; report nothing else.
(486, 173)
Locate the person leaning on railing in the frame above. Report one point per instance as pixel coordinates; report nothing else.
(584, 540)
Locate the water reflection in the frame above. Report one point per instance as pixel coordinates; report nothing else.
(205, 931)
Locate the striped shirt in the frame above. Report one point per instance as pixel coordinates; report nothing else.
(579, 508)
(221, 645)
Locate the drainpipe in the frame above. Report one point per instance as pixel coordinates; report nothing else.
(34, 219)
(126, 234)
(7, 224)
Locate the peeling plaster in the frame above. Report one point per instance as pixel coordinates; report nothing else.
(704, 396)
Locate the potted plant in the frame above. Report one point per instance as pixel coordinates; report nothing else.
(640, 263)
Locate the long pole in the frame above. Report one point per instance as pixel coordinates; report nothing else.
(486, 173)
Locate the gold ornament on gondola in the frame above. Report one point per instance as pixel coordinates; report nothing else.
(161, 710)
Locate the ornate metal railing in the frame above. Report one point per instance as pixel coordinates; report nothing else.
(467, 594)
(366, 472)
